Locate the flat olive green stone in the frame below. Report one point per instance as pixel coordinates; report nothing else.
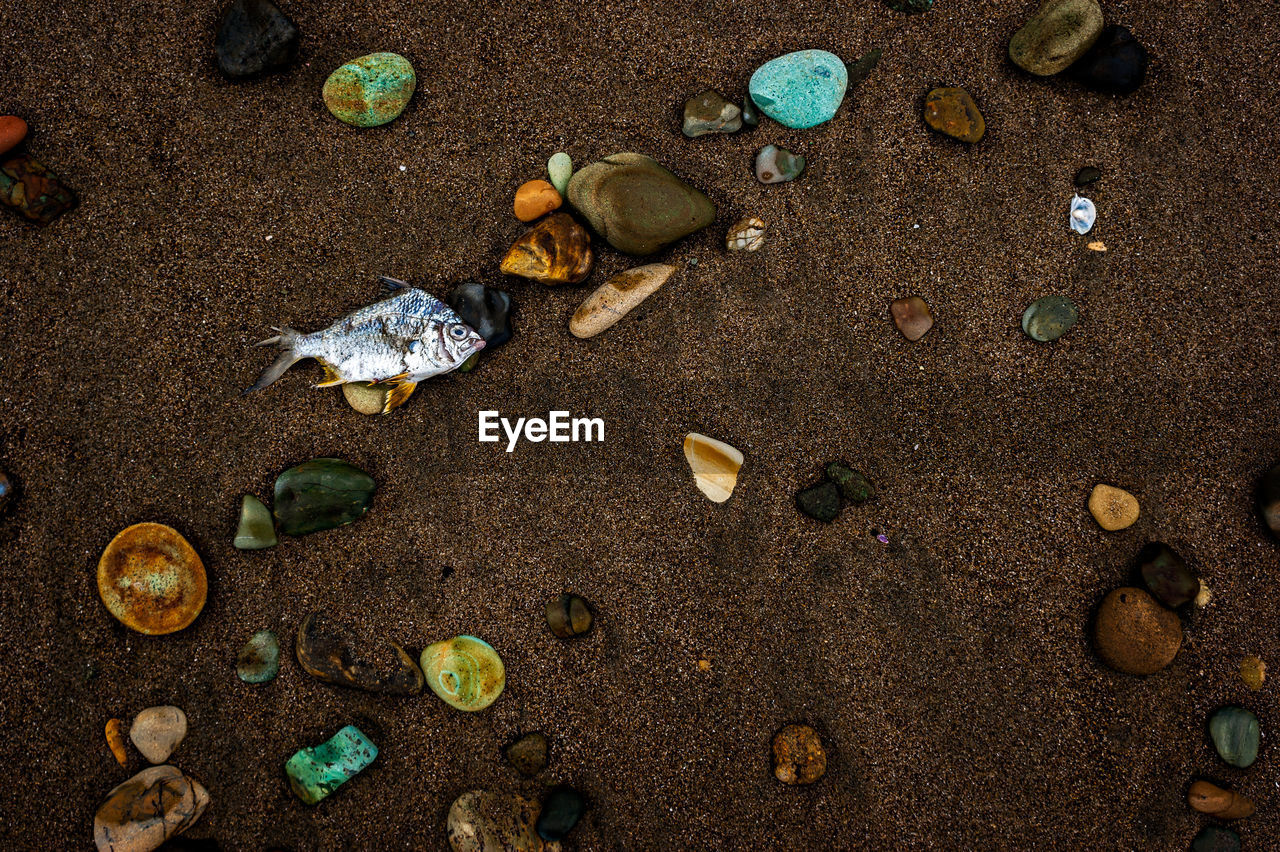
(317, 771)
(320, 495)
(371, 90)
(1235, 733)
(853, 486)
(636, 204)
(820, 502)
(1166, 575)
(259, 659)
(1049, 318)
(257, 530)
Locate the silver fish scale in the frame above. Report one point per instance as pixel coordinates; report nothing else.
(376, 342)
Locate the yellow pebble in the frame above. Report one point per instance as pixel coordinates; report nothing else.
(1253, 672)
(1113, 508)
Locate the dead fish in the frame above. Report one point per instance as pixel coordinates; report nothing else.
(399, 341)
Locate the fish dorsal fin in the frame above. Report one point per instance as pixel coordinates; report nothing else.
(396, 397)
(392, 285)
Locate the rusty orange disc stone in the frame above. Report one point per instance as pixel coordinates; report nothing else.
(151, 579)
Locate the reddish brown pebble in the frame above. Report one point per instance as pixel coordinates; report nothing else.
(952, 111)
(798, 755)
(12, 131)
(912, 316)
(1213, 800)
(535, 198)
(1134, 634)
(115, 741)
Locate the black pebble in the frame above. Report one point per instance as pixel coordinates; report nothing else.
(1116, 64)
(254, 36)
(1214, 839)
(561, 811)
(1088, 175)
(486, 310)
(820, 502)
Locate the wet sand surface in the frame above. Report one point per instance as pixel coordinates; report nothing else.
(949, 671)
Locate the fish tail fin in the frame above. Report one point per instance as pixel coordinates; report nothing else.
(287, 340)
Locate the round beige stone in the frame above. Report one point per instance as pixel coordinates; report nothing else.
(1113, 508)
(364, 397)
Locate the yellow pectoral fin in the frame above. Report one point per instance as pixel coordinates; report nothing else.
(389, 379)
(331, 377)
(398, 394)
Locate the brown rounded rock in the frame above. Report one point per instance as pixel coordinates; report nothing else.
(557, 250)
(1213, 800)
(569, 616)
(1113, 508)
(1253, 672)
(535, 198)
(798, 755)
(952, 112)
(12, 131)
(1134, 634)
(150, 578)
(912, 317)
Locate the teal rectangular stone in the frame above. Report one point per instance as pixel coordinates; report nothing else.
(317, 771)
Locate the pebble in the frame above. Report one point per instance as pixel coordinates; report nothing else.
(853, 485)
(528, 754)
(778, 165)
(569, 616)
(615, 298)
(750, 112)
(952, 112)
(1269, 499)
(1213, 800)
(912, 316)
(254, 36)
(746, 234)
(709, 112)
(820, 502)
(115, 741)
(1049, 318)
(486, 310)
(911, 7)
(366, 398)
(859, 71)
(801, 89)
(1236, 733)
(465, 672)
(151, 580)
(1116, 64)
(332, 654)
(1166, 575)
(1214, 839)
(321, 494)
(1056, 36)
(259, 659)
(1088, 175)
(157, 731)
(561, 810)
(1253, 672)
(534, 199)
(371, 90)
(316, 771)
(560, 170)
(798, 755)
(557, 250)
(257, 528)
(32, 190)
(1113, 508)
(157, 804)
(12, 131)
(1134, 634)
(715, 465)
(636, 204)
(481, 821)
(1083, 215)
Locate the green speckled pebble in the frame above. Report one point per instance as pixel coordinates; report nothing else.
(259, 659)
(257, 530)
(1049, 318)
(371, 90)
(316, 772)
(560, 169)
(465, 672)
(800, 89)
(1235, 735)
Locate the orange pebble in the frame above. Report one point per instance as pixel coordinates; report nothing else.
(12, 131)
(115, 739)
(535, 198)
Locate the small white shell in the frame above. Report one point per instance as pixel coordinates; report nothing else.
(1083, 214)
(747, 234)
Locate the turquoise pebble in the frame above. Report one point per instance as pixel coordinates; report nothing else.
(800, 89)
(371, 90)
(1235, 735)
(257, 530)
(560, 169)
(317, 771)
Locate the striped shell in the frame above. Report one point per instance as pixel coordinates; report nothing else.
(465, 672)
(747, 234)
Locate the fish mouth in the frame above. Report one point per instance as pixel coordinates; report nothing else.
(478, 345)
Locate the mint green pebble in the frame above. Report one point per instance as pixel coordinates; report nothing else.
(317, 771)
(560, 169)
(801, 89)
(371, 90)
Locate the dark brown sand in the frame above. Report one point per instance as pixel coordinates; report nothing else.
(949, 671)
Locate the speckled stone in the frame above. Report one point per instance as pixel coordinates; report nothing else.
(371, 90)
(1236, 734)
(1134, 634)
(1047, 319)
(1057, 35)
(801, 89)
(316, 771)
(259, 659)
(952, 112)
(798, 755)
(1253, 671)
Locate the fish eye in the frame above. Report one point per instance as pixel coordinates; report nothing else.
(458, 332)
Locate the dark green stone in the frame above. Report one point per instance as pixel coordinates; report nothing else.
(1049, 318)
(911, 7)
(528, 754)
(853, 486)
(259, 659)
(750, 115)
(1235, 735)
(860, 70)
(561, 811)
(317, 771)
(820, 502)
(1269, 499)
(1214, 839)
(320, 495)
(1166, 575)
(1088, 175)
